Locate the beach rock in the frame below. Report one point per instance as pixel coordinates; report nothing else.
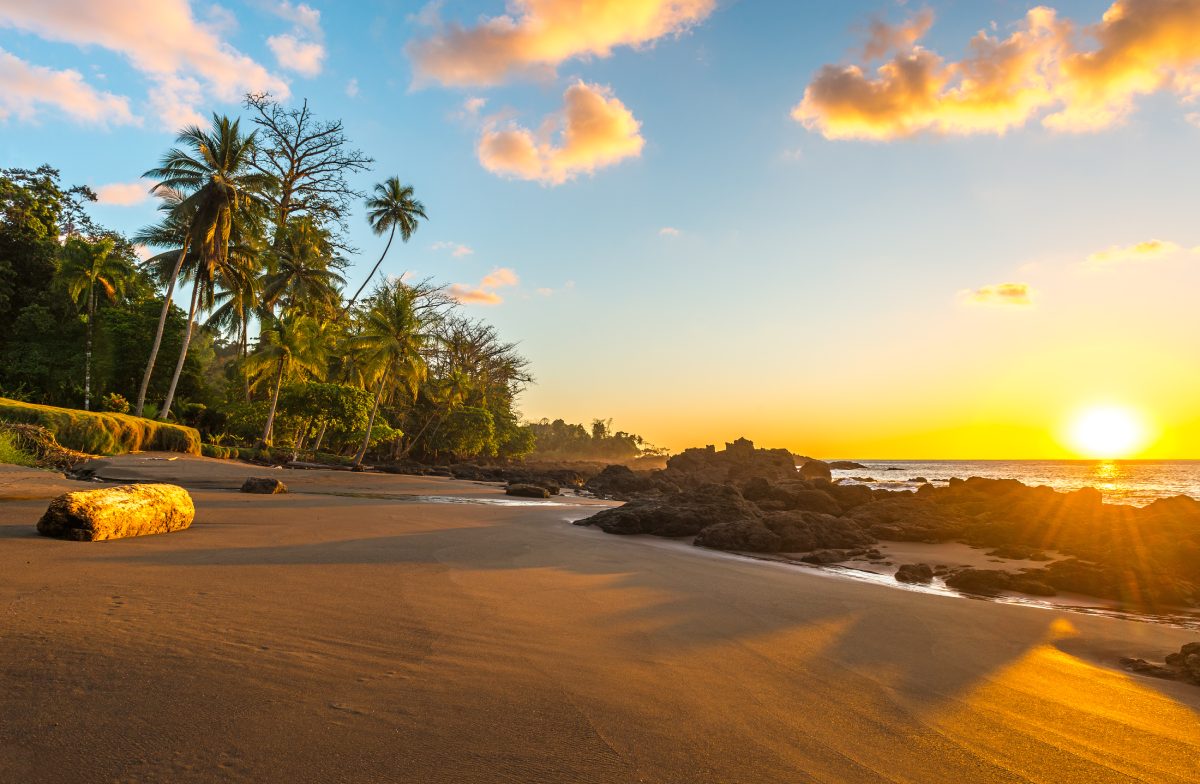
(1031, 587)
(846, 465)
(679, 514)
(746, 535)
(981, 581)
(527, 491)
(905, 518)
(816, 469)
(263, 485)
(739, 462)
(914, 573)
(622, 482)
(801, 531)
(797, 496)
(849, 496)
(117, 512)
(826, 557)
(1143, 667)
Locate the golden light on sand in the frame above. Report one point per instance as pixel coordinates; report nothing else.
(1107, 432)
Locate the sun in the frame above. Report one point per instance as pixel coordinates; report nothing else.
(1107, 432)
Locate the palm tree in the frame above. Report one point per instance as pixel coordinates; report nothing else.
(292, 343)
(87, 266)
(205, 183)
(303, 277)
(391, 344)
(236, 304)
(393, 207)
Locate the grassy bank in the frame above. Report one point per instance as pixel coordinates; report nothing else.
(11, 454)
(103, 433)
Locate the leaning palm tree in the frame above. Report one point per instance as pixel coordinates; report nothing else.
(392, 207)
(391, 343)
(293, 343)
(204, 183)
(86, 267)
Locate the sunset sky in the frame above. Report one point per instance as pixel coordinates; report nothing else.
(853, 229)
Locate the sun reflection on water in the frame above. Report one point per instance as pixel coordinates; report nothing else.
(1107, 475)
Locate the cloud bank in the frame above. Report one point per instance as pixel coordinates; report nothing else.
(123, 194)
(1138, 47)
(593, 130)
(485, 293)
(535, 36)
(26, 88)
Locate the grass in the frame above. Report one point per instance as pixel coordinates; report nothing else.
(102, 433)
(11, 454)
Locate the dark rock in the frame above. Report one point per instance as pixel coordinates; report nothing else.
(622, 482)
(263, 485)
(920, 480)
(1031, 587)
(824, 557)
(679, 514)
(527, 491)
(816, 469)
(801, 531)
(746, 535)
(1143, 667)
(914, 573)
(846, 465)
(981, 581)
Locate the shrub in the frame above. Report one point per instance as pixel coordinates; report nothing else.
(11, 454)
(114, 403)
(219, 452)
(103, 433)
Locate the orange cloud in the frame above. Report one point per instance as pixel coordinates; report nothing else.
(535, 36)
(160, 38)
(25, 88)
(1010, 294)
(123, 194)
(1140, 47)
(485, 292)
(884, 38)
(594, 130)
(1141, 251)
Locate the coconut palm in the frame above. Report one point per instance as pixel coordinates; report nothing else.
(392, 208)
(205, 183)
(390, 344)
(303, 277)
(235, 307)
(289, 344)
(86, 267)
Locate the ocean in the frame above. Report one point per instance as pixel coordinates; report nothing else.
(1136, 482)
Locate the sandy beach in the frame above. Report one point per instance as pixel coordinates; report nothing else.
(364, 629)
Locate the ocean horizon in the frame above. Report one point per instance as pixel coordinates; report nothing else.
(1134, 482)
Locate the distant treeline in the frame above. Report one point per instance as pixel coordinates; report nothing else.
(560, 440)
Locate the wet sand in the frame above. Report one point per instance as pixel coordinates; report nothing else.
(349, 632)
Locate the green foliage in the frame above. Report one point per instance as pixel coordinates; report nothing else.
(219, 452)
(466, 433)
(115, 403)
(341, 411)
(559, 440)
(100, 433)
(11, 454)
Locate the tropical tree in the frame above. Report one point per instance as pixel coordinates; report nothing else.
(304, 276)
(289, 344)
(206, 182)
(89, 268)
(392, 208)
(391, 342)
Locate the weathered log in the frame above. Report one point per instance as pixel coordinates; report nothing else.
(118, 512)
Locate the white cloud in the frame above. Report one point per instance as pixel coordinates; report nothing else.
(669, 231)
(485, 293)
(352, 88)
(26, 88)
(303, 49)
(593, 130)
(183, 57)
(123, 194)
(457, 250)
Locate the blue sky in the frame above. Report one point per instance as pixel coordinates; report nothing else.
(744, 271)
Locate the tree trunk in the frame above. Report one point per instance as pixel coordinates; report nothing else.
(187, 341)
(266, 436)
(408, 449)
(162, 324)
(87, 352)
(362, 451)
(320, 438)
(245, 355)
(354, 299)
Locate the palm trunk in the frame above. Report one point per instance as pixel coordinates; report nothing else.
(362, 450)
(245, 355)
(187, 340)
(417, 437)
(320, 438)
(266, 436)
(162, 324)
(87, 352)
(374, 269)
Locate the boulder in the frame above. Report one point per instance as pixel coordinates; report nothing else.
(801, 531)
(117, 512)
(816, 469)
(527, 491)
(914, 573)
(679, 514)
(622, 482)
(263, 485)
(845, 465)
(746, 535)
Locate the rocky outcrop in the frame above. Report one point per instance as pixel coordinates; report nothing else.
(739, 462)
(263, 485)
(746, 535)
(816, 469)
(987, 582)
(914, 573)
(846, 465)
(527, 491)
(679, 514)
(118, 512)
(623, 483)
(802, 531)
(1181, 666)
